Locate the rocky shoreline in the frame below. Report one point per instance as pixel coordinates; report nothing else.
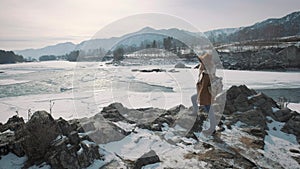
(241, 141)
(278, 59)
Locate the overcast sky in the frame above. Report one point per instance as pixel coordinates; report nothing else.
(38, 23)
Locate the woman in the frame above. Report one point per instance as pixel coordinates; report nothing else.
(203, 96)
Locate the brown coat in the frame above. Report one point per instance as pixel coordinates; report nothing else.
(204, 96)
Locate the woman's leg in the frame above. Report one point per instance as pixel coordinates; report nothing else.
(207, 107)
(195, 103)
(212, 121)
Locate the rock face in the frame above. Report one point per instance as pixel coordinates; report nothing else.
(43, 139)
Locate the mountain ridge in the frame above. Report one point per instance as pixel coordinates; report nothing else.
(288, 25)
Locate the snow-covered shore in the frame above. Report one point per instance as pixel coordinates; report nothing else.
(82, 89)
(256, 135)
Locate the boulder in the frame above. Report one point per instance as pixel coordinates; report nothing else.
(74, 138)
(14, 123)
(64, 155)
(253, 122)
(64, 127)
(148, 158)
(283, 115)
(43, 139)
(292, 126)
(114, 112)
(37, 134)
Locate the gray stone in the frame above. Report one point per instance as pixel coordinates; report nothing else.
(74, 138)
(37, 135)
(283, 115)
(14, 123)
(148, 158)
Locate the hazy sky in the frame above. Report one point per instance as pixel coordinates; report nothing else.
(38, 23)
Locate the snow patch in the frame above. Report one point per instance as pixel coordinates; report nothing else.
(11, 161)
(8, 131)
(278, 144)
(125, 126)
(294, 107)
(275, 109)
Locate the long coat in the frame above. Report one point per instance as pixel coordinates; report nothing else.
(204, 96)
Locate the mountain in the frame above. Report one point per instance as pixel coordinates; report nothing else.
(218, 35)
(288, 25)
(58, 49)
(146, 34)
(271, 28)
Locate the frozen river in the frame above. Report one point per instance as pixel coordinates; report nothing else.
(82, 89)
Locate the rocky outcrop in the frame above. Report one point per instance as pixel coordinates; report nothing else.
(43, 139)
(14, 123)
(252, 109)
(239, 141)
(36, 136)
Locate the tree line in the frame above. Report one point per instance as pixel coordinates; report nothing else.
(100, 54)
(167, 43)
(10, 57)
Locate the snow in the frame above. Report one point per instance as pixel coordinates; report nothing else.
(152, 166)
(42, 166)
(86, 142)
(97, 164)
(11, 81)
(294, 106)
(275, 109)
(136, 144)
(7, 131)
(125, 126)
(278, 144)
(95, 86)
(12, 161)
(79, 151)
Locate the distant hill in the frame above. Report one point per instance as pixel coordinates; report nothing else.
(58, 49)
(288, 25)
(271, 28)
(220, 35)
(146, 34)
(10, 57)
